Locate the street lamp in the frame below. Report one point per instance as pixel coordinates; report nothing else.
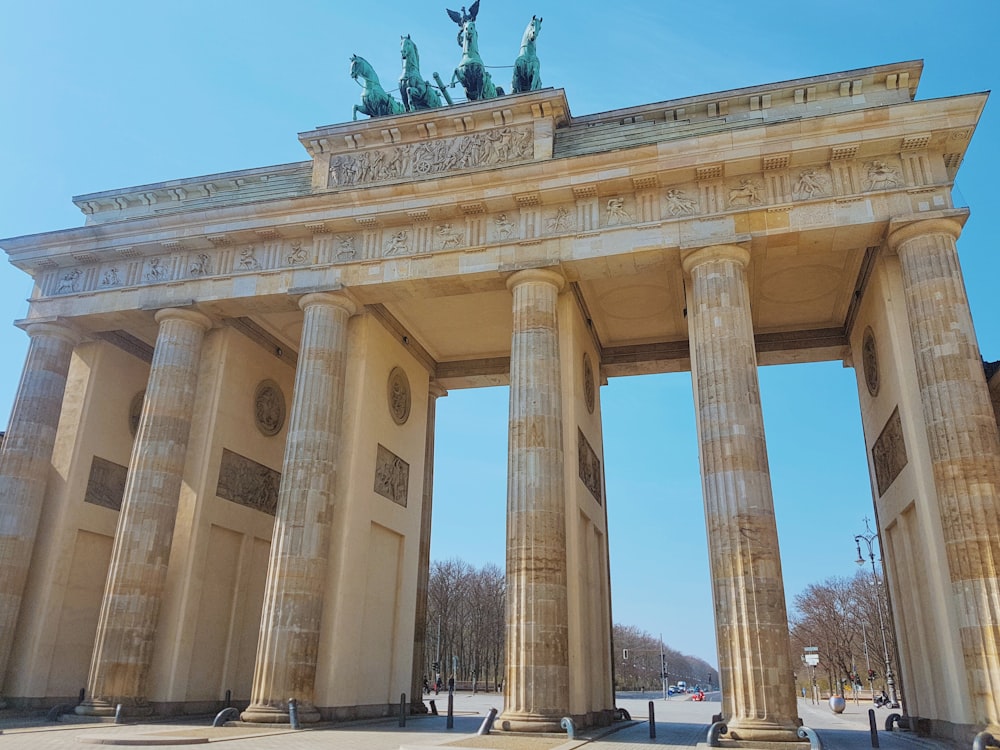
(869, 539)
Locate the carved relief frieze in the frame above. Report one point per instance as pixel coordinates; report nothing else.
(589, 466)
(111, 277)
(392, 476)
(504, 228)
(889, 453)
(617, 213)
(747, 194)
(345, 247)
(869, 362)
(248, 259)
(69, 283)
(470, 151)
(201, 265)
(811, 183)
(679, 203)
(589, 388)
(297, 254)
(397, 243)
(106, 485)
(449, 237)
(880, 175)
(248, 483)
(561, 220)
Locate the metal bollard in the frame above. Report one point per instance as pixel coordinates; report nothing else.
(451, 711)
(229, 698)
(717, 728)
(402, 709)
(806, 733)
(434, 708)
(83, 694)
(567, 724)
(893, 719)
(226, 714)
(983, 740)
(118, 714)
(293, 714)
(872, 727)
(652, 721)
(487, 724)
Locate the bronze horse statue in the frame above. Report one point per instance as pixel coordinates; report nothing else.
(527, 68)
(375, 102)
(415, 92)
(471, 72)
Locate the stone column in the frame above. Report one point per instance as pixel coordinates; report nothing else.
(536, 692)
(297, 571)
(751, 622)
(25, 463)
(424, 557)
(963, 442)
(126, 627)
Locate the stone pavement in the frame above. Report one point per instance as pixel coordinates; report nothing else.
(680, 723)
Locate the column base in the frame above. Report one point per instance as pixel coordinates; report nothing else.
(510, 721)
(109, 707)
(756, 730)
(260, 713)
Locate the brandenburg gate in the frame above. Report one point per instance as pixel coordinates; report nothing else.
(218, 470)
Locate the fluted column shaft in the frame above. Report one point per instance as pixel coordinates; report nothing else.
(537, 685)
(751, 621)
(297, 569)
(25, 463)
(424, 557)
(963, 442)
(137, 575)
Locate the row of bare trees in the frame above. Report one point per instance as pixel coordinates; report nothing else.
(466, 623)
(840, 617)
(641, 659)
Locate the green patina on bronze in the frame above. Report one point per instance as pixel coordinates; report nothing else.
(417, 93)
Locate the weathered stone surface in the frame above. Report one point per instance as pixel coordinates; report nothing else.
(751, 622)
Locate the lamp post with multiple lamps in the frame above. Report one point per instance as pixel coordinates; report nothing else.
(869, 538)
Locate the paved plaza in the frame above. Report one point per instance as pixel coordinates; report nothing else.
(680, 723)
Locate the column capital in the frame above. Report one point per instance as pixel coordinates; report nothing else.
(690, 259)
(333, 299)
(924, 227)
(190, 316)
(544, 275)
(52, 328)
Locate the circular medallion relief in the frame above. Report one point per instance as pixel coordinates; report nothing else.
(269, 408)
(869, 361)
(135, 412)
(588, 383)
(399, 396)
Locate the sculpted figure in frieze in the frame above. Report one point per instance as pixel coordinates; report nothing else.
(375, 102)
(449, 237)
(396, 244)
(747, 194)
(415, 92)
(678, 204)
(201, 265)
(559, 221)
(882, 176)
(345, 247)
(297, 254)
(111, 278)
(812, 183)
(506, 229)
(157, 271)
(248, 259)
(527, 68)
(617, 213)
(68, 284)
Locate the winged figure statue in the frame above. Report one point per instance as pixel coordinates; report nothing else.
(460, 17)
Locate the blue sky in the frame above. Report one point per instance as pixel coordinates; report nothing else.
(102, 95)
